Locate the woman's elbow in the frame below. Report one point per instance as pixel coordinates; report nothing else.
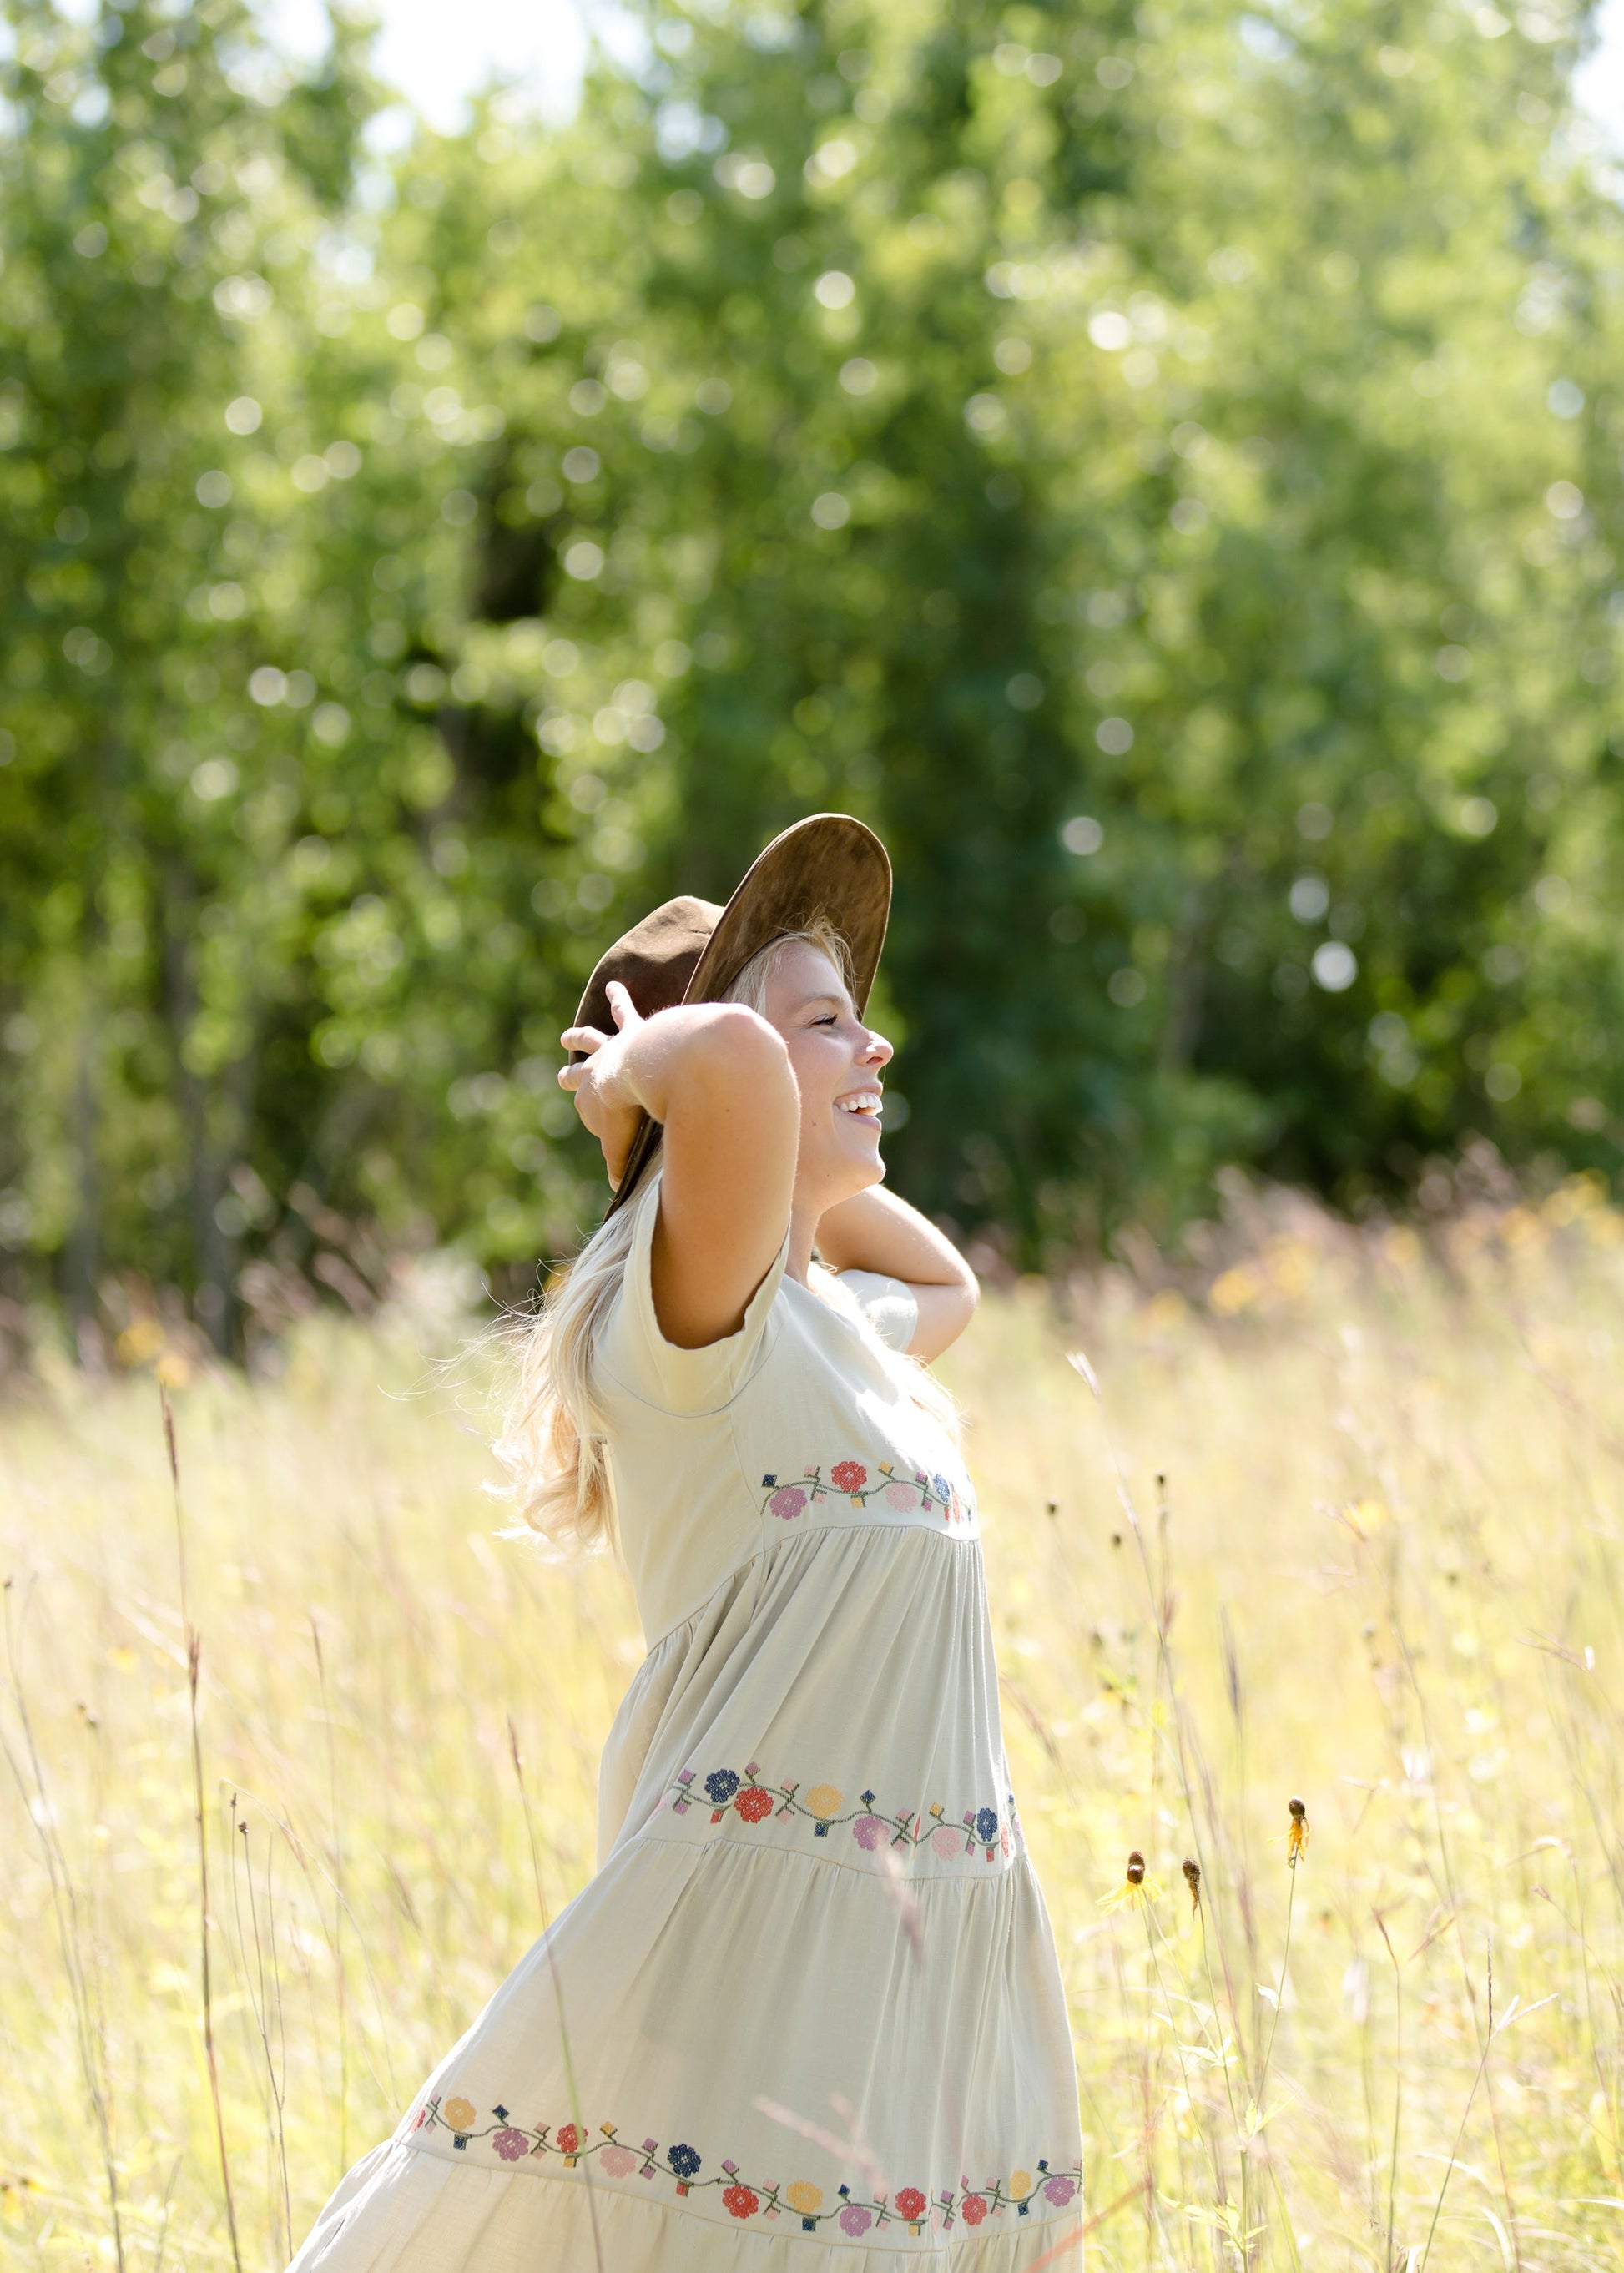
(730, 1051)
(964, 1299)
(943, 1312)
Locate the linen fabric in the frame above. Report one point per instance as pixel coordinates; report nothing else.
(814, 2015)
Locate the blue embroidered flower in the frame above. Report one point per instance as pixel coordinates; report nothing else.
(942, 1489)
(683, 2161)
(986, 1824)
(720, 1786)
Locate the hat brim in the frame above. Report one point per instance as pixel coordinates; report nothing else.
(827, 867)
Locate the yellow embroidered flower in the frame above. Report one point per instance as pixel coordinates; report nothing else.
(1297, 1838)
(1020, 2185)
(1136, 1888)
(460, 2114)
(825, 1799)
(804, 2197)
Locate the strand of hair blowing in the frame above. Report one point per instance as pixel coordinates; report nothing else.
(551, 1444)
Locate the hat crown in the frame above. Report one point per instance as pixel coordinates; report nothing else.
(654, 961)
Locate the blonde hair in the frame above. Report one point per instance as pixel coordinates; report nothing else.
(550, 1443)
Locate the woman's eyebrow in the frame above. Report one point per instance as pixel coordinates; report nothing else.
(811, 1002)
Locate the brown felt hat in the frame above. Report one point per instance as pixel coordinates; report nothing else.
(828, 866)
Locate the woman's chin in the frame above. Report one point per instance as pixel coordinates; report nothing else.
(857, 1168)
(868, 1168)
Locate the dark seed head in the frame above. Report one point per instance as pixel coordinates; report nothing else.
(1136, 1869)
(1299, 1810)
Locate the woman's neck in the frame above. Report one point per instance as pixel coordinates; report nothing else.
(804, 1217)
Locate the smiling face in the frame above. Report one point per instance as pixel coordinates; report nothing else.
(837, 1063)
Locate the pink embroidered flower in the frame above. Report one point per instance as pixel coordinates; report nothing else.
(1003, 1838)
(510, 2144)
(946, 1841)
(617, 2161)
(973, 2209)
(848, 1475)
(1059, 2189)
(910, 2203)
(423, 2116)
(900, 1496)
(569, 2140)
(753, 1802)
(738, 2201)
(855, 2219)
(787, 1504)
(867, 1831)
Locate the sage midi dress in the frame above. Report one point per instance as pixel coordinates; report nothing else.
(807, 2017)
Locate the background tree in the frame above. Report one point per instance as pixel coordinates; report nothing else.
(1162, 472)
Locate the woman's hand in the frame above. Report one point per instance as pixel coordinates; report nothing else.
(604, 1093)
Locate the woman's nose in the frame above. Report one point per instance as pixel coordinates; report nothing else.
(879, 1050)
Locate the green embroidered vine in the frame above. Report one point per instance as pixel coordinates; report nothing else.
(823, 1806)
(681, 2167)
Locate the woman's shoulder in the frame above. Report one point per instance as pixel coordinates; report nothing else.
(633, 1356)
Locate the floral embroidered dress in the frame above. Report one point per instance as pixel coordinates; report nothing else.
(814, 2018)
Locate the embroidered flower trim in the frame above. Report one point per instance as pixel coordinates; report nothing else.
(823, 1806)
(680, 2167)
(788, 1496)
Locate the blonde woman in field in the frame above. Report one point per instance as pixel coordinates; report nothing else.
(807, 2018)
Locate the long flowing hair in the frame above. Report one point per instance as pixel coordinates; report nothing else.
(551, 1444)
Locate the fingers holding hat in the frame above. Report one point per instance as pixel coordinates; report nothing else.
(584, 1042)
(605, 1096)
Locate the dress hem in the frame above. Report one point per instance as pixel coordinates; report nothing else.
(425, 2210)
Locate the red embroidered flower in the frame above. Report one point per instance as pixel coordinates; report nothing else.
(738, 2201)
(848, 1475)
(569, 2140)
(910, 2203)
(753, 1802)
(973, 2209)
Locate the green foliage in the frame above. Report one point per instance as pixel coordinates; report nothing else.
(1160, 471)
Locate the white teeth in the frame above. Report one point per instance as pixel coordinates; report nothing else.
(868, 1107)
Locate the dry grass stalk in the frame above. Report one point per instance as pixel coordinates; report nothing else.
(1384, 1571)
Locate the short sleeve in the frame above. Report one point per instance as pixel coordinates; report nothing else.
(888, 1304)
(635, 1356)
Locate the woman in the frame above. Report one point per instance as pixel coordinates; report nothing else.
(807, 2018)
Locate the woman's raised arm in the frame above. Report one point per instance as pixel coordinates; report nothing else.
(877, 1230)
(718, 1079)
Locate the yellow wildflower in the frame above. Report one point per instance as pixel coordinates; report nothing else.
(1297, 1838)
(1137, 1887)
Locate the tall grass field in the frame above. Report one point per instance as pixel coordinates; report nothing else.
(1307, 1576)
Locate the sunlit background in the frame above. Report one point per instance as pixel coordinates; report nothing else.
(543, 46)
(1165, 468)
(465, 480)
